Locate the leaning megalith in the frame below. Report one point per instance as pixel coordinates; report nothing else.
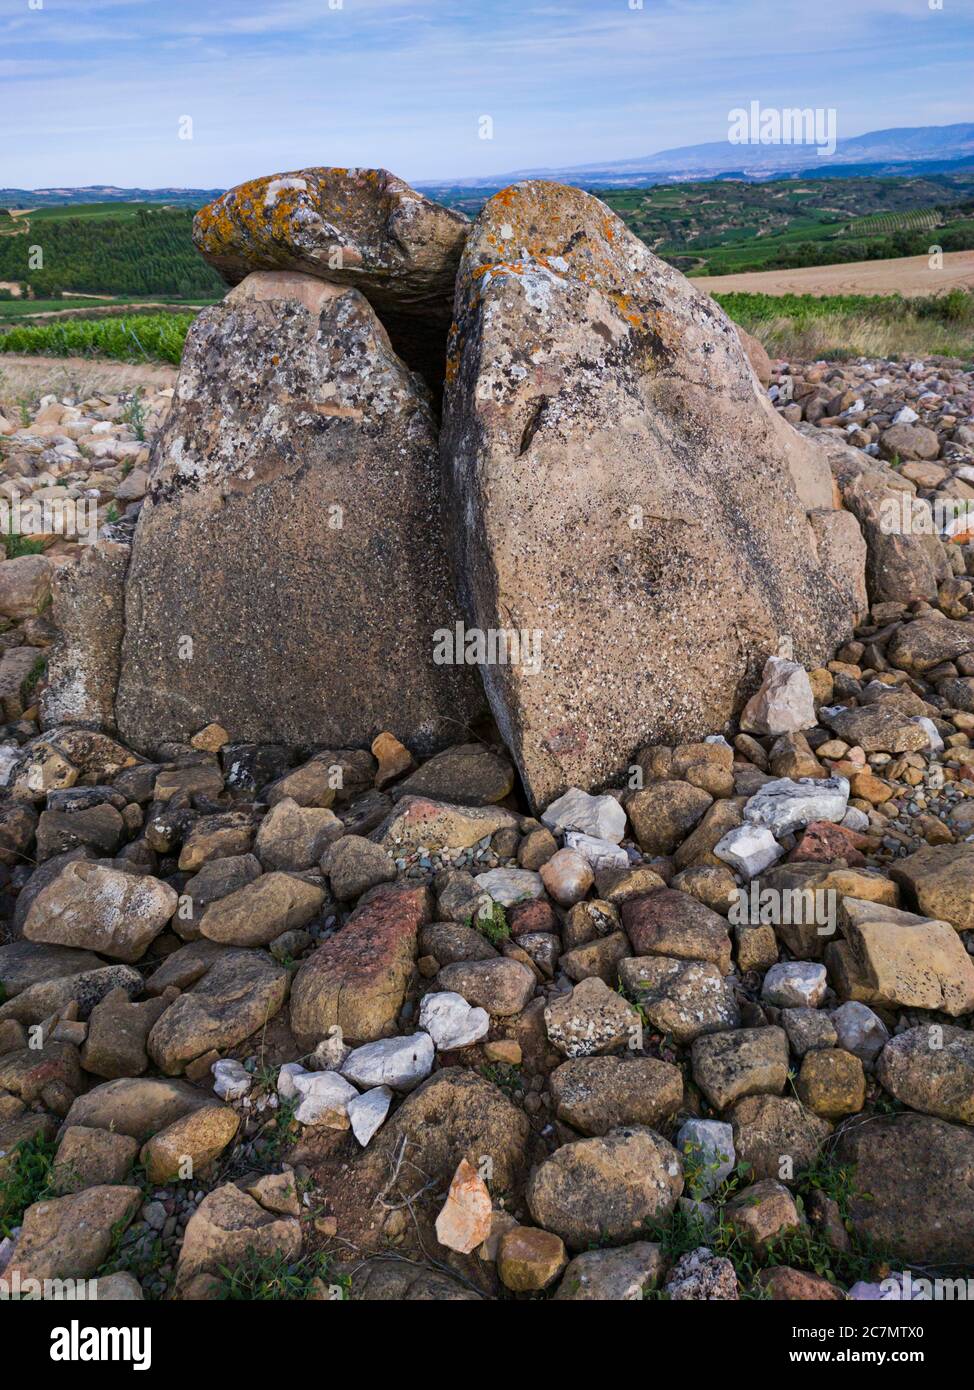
(359, 227)
(624, 504)
(288, 570)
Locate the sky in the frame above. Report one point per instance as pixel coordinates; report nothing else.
(205, 93)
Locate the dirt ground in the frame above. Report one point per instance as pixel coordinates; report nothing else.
(907, 275)
(77, 376)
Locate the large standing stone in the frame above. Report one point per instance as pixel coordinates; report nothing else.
(359, 227)
(288, 572)
(614, 468)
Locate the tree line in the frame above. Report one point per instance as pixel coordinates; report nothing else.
(150, 253)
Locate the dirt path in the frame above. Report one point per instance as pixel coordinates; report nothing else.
(908, 275)
(77, 376)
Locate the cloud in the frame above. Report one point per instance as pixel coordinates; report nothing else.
(404, 82)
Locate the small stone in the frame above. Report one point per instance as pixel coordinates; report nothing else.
(931, 1069)
(231, 1081)
(70, 1237)
(669, 923)
(293, 838)
(602, 817)
(502, 987)
(193, 1141)
(768, 1128)
(761, 1213)
(277, 1192)
(592, 1020)
(600, 854)
(596, 1094)
(782, 805)
(757, 947)
(783, 704)
(354, 864)
(708, 1153)
(464, 1220)
(91, 1157)
(211, 739)
(699, 1275)
(116, 914)
(749, 849)
(808, 1029)
(860, 1031)
(367, 1112)
(795, 984)
(750, 1061)
(784, 1284)
(529, 1259)
(324, 1099)
(664, 813)
(832, 1083)
(606, 1189)
(612, 1276)
(510, 886)
(392, 757)
(537, 847)
(683, 998)
(567, 876)
(451, 1022)
(400, 1063)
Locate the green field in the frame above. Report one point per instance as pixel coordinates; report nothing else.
(724, 227)
(135, 249)
(805, 326)
(122, 254)
(801, 326)
(19, 308)
(145, 338)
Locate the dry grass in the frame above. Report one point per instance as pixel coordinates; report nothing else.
(838, 335)
(808, 327)
(29, 378)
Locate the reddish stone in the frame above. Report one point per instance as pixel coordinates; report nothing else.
(536, 915)
(357, 980)
(786, 1285)
(823, 841)
(464, 1220)
(670, 923)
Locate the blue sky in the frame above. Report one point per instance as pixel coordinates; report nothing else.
(92, 91)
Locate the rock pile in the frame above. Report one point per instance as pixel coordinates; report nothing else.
(266, 999)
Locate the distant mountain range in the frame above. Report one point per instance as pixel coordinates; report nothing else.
(902, 150)
(103, 193)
